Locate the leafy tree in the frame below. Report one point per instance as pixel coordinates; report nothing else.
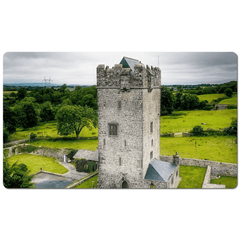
(22, 93)
(5, 134)
(63, 88)
(72, 119)
(16, 176)
(27, 115)
(189, 101)
(228, 92)
(9, 119)
(232, 130)
(167, 101)
(46, 113)
(46, 97)
(13, 95)
(178, 96)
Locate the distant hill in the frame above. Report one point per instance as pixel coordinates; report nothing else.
(41, 85)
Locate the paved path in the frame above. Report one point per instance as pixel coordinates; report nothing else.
(15, 142)
(72, 173)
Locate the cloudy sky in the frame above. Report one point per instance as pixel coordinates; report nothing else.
(80, 68)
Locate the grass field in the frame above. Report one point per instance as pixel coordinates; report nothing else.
(34, 163)
(229, 182)
(210, 97)
(49, 129)
(184, 121)
(214, 148)
(88, 183)
(192, 177)
(76, 144)
(230, 101)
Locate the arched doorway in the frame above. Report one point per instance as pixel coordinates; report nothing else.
(124, 184)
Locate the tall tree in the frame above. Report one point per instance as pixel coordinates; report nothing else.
(72, 119)
(167, 101)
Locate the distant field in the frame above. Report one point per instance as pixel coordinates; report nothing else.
(229, 182)
(76, 144)
(49, 129)
(214, 148)
(192, 177)
(210, 97)
(34, 163)
(230, 101)
(184, 121)
(9, 92)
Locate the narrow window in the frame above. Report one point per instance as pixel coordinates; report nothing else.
(152, 142)
(120, 161)
(172, 180)
(104, 142)
(151, 154)
(112, 129)
(125, 143)
(119, 105)
(151, 127)
(176, 173)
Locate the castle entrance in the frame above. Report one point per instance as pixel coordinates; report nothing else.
(124, 184)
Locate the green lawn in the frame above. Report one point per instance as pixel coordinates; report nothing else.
(229, 182)
(34, 163)
(184, 121)
(214, 148)
(88, 183)
(49, 129)
(192, 177)
(210, 97)
(76, 144)
(230, 101)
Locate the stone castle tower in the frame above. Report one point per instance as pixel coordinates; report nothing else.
(129, 125)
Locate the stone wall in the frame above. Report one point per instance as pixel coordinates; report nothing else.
(218, 168)
(51, 152)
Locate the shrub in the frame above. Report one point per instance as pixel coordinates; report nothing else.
(208, 107)
(228, 92)
(232, 130)
(72, 153)
(197, 131)
(82, 165)
(33, 136)
(231, 107)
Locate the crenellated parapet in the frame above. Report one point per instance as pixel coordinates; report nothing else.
(125, 78)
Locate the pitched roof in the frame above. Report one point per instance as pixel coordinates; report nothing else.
(159, 170)
(129, 63)
(88, 155)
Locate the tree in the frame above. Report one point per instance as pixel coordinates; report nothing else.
(16, 175)
(167, 101)
(228, 92)
(46, 113)
(197, 131)
(72, 119)
(178, 96)
(22, 93)
(27, 115)
(189, 101)
(9, 119)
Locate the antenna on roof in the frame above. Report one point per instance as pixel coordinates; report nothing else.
(158, 61)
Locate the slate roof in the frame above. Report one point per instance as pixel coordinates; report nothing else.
(129, 63)
(159, 170)
(88, 155)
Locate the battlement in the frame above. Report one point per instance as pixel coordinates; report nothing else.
(125, 78)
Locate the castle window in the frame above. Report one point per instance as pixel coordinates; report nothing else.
(125, 143)
(104, 142)
(151, 154)
(176, 173)
(120, 161)
(172, 180)
(151, 127)
(113, 129)
(119, 105)
(152, 142)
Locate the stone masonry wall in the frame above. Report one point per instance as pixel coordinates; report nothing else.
(49, 152)
(217, 168)
(121, 96)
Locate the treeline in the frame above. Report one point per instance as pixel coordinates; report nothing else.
(220, 88)
(25, 109)
(188, 100)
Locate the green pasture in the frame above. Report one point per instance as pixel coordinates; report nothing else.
(88, 183)
(76, 144)
(192, 177)
(34, 163)
(49, 129)
(210, 97)
(229, 182)
(214, 148)
(184, 121)
(230, 101)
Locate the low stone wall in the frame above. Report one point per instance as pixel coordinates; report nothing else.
(218, 168)
(206, 182)
(51, 152)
